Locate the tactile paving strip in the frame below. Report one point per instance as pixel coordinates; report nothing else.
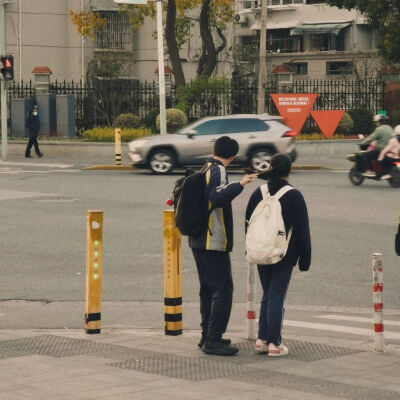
(190, 368)
(59, 346)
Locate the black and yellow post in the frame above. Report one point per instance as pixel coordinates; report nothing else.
(172, 276)
(94, 255)
(118, 154)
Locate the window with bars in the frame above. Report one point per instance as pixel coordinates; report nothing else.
(117, 34)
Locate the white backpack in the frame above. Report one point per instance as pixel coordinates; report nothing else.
(266, 241)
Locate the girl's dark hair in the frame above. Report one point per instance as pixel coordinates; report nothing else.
(281, 165)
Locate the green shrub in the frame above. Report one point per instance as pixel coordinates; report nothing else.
(345, 126)
(396, 117)
(362, 120)
(317, 136)
(127, 121)
(175, 119)
(108, 134)
(150, 119)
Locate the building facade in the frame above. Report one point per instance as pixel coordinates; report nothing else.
(309, 37)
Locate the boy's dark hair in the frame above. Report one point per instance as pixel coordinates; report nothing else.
(280, 167)
(225, 147)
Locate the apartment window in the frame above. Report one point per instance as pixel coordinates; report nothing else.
(299, 68)
(315, 1)
(339, 68)
(320, 42)
(279, 2)
(117, 34)
(250, 4)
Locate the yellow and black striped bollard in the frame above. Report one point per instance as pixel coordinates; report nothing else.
(118, 154)
(172, 275)
(94, 255)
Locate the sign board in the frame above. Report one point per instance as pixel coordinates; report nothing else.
(131, 1)
(294, 108)
(327, 120)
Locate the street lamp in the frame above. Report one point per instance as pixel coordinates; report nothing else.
(161, 72)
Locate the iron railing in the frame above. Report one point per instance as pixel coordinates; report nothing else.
(99, 103)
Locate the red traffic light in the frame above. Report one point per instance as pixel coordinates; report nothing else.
(8, 67)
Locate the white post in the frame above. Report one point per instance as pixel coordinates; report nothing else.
(161, 77)
(3, 93)
(251, 299)
(262, 70)
(82, 53)
(377, 280)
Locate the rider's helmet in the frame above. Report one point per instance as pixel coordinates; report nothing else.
(379, 118)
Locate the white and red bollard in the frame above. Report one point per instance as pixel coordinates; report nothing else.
(251, 302)
(377, 281)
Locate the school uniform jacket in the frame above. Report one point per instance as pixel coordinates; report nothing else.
(217, 234)
(294, 213)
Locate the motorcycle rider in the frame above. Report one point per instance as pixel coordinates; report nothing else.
(390, 153)
(381, 136)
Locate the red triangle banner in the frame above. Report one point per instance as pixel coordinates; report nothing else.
(328, 120)
(294, 108)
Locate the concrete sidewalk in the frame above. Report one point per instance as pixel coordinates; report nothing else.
(141, 363)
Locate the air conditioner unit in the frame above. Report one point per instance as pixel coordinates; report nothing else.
(241, 18)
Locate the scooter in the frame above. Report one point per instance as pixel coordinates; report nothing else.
(356, 172)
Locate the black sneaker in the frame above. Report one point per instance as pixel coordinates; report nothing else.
(28, 156)
(219, 348)
(40, 155)
(203, 340)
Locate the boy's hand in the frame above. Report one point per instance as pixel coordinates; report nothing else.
(248, 178)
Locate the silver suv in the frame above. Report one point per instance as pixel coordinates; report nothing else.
(259, 138)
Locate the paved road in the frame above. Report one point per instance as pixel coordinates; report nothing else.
(42, 235)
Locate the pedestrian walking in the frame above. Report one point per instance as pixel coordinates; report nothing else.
(211, 248)
(275, 276)
(33, 125)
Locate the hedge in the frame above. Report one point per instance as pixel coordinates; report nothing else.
(108, 134)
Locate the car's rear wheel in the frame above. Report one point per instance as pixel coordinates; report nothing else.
(162, 161)
(260, 159)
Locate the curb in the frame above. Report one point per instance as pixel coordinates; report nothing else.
(109, 167)
(308, 168)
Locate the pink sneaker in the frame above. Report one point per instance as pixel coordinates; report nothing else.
(261, 346)
(277, 351)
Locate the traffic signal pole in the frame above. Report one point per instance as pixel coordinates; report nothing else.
(3, 94)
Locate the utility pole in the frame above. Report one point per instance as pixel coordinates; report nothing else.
(262, 69)
(3, 93)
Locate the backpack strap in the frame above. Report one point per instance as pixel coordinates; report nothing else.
(282, 191)
(264, 191)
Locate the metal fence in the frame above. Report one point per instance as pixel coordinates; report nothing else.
(99, 103)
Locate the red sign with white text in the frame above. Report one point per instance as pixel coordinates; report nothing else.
(294, 108)
(327, 120)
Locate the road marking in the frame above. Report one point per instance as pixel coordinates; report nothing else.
(338, 328)
(356, 319)
(26, 164)
(14, 195)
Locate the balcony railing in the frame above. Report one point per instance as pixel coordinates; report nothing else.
(286, 45)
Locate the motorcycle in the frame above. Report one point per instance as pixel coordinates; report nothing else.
(356, 172)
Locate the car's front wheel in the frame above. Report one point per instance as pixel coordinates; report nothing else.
(162, 161)
(260, 159)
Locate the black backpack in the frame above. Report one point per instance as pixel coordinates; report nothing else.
(190, 202)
